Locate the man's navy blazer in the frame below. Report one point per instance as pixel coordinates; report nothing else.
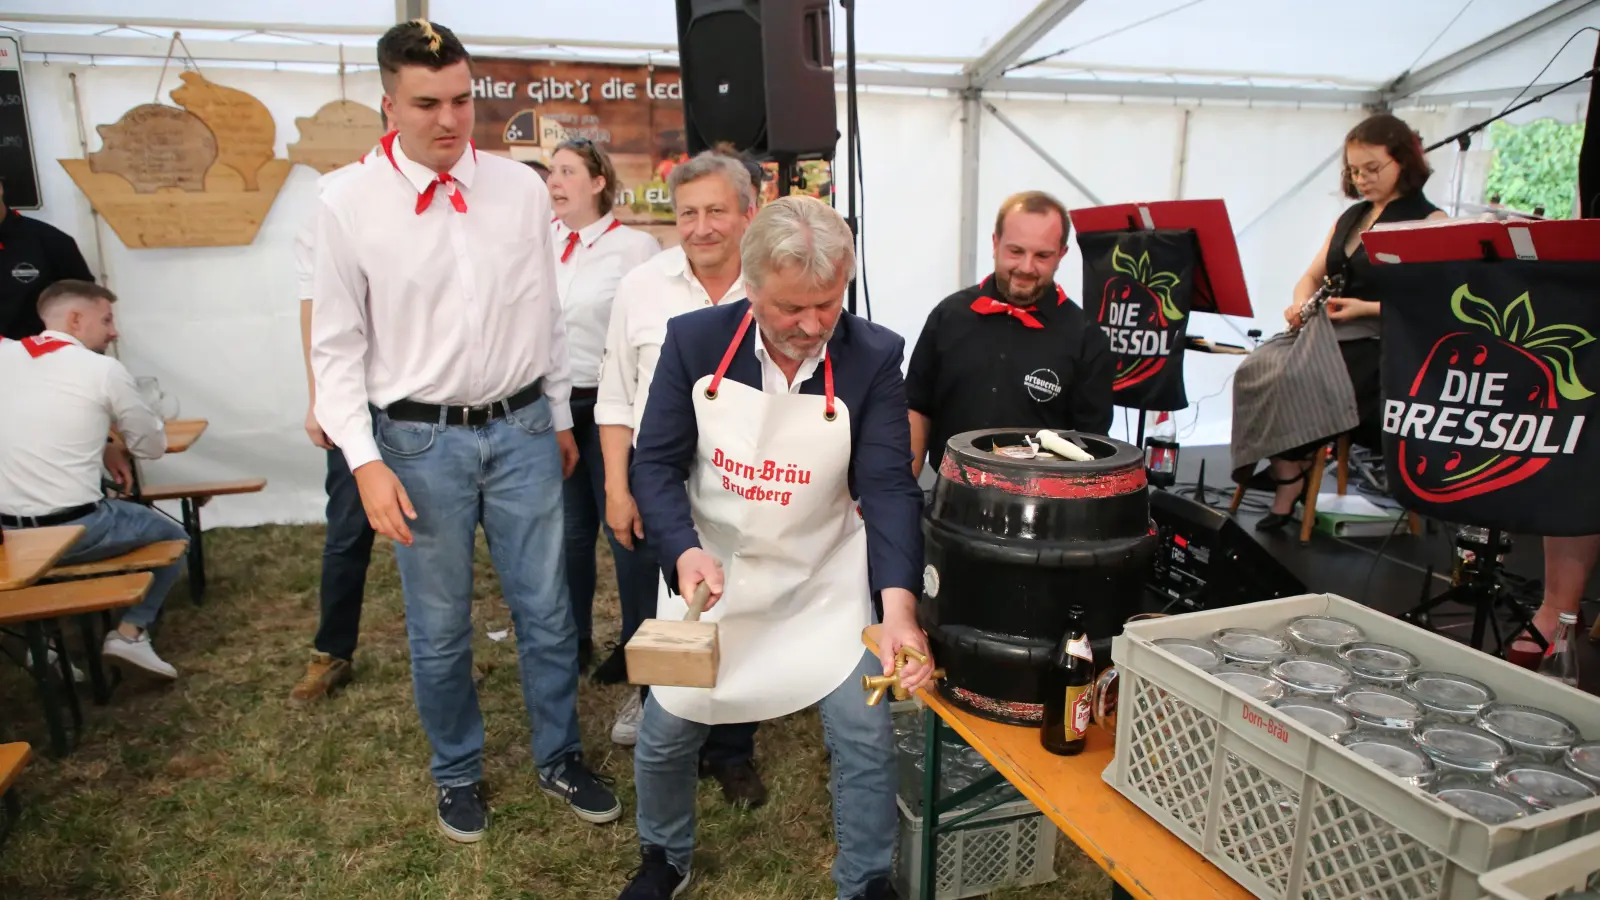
(866, 376)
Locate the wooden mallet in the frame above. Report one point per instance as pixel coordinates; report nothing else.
(676, 654)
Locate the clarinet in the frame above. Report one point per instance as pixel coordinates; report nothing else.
(1332, 285)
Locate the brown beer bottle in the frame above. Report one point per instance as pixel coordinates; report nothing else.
(1066, 689)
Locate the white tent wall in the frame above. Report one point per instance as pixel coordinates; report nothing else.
(219, 326)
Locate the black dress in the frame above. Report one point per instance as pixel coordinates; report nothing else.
(1358, 339)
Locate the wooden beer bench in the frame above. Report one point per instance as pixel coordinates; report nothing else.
(1143, 859)
(191, 497)
(13, 758)
(35, 607)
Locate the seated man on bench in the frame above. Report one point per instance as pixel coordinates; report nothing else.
(62, 396)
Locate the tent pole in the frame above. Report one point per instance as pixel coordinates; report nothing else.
(971, 129)
(1049, 160)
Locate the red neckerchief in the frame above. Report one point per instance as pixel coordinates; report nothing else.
(573, 238)
(40, 345)
(988, 304)
(426, 197)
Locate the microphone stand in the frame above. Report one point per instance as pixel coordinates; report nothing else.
(1464, 137)
(850, 126)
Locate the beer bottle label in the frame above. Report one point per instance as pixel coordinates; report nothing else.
(1079, 647)
(1076, 722)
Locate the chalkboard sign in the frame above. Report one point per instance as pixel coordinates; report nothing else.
(16, 142)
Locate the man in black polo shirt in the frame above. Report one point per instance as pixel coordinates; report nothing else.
(1013, 351)
(33, 256)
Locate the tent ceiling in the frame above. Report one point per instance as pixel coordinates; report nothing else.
(1270, 49)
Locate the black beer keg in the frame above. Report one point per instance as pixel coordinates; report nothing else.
(1012, 543)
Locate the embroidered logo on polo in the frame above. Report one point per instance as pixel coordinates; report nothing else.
(1460, 435)
(24, 272)
(1043, 385)
(769, 471)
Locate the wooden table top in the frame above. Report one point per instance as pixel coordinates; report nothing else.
(182, 433)
(1140, 854)
(30, 552)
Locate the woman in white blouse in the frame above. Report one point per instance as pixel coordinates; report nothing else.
(592, 253)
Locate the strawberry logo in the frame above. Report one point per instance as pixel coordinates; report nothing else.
(1142, 316)
(1460, 432)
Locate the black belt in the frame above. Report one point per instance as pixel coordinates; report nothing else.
(48, 519)
(579, 393)
(412, 411)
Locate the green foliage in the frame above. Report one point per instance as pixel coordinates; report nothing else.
(1535, 165)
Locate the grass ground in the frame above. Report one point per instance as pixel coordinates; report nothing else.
(216, 787)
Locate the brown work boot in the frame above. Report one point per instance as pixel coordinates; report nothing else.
(741, 783)
(324, 675)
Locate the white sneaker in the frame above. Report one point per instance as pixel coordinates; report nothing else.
(51, 657)
(626, 729)
(137, 652)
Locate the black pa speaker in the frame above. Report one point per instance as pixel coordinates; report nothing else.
(1206, 561)
(758, 74)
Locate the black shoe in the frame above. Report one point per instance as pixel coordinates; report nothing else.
(585, 654)
(1273, 521)
(655, 879)
(463, 813)
(741, 784)
(878, 889)
(613, 669)
(591, 800)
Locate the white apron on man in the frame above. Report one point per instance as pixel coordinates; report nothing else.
(770, 497)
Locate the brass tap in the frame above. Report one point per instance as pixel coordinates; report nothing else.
(877, 685)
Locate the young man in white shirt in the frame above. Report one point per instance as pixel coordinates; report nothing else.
(713, 197)
(65, 394)
(347, 547)
(435, 303)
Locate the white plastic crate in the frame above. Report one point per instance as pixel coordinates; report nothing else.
(1288, 813)
(1573, 866)
(1012, 845)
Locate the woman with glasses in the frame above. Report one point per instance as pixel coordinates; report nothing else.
(593, 251)
(1385, 170)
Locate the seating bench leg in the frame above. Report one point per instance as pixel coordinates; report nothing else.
(91, 652)
(64, 663)
(39, 649)
(197, 551)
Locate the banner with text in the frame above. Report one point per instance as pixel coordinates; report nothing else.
(526, 107)
(1138, 285)
(1489, 377)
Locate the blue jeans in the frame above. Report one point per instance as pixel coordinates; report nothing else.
(346, 553)
(505, 476)
(861, 741)
(583, 497)
(117, 527)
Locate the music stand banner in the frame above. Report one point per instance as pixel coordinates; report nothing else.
(1139, 286)
(1490, 377)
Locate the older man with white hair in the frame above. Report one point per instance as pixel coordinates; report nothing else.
(773, 464)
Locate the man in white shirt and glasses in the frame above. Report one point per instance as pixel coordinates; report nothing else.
(714, 199)
(434, 303)
(62, 396)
